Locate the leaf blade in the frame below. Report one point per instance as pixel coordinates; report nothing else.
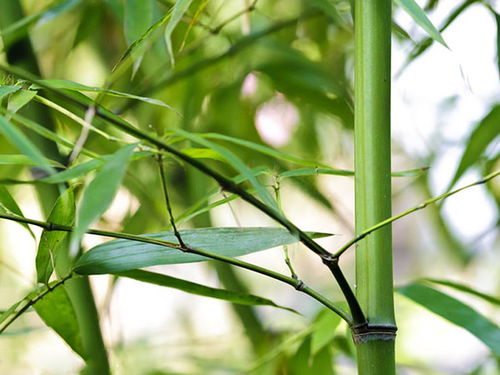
(124, 255)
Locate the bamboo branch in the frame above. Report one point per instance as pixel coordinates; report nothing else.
(297, 284)
(412, 210)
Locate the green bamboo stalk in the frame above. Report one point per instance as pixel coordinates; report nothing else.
(374, 342)
(20, 53)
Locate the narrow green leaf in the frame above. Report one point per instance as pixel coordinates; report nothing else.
(180, 7)
(74, 86)
(57, 311)
(122, 255)
(465, 289)
(73, 172)
(18, 139)
(7, 90)
(315, 171)
(99, 194)
(10, 203)
(265, 150)
(53, 243)
(237, 163)
(203, 153)
(20, 99)
(137, 19)
(485, 132)
(455, 312)
(419, 16)
(17, 159)
(497, 20)
(198, 289)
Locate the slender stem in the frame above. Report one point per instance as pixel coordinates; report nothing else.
(163, 179)
(297, 284)
(34, 300)
(374, 282)
(421, 206)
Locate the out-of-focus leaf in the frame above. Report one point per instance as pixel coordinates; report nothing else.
(198, 289)
(486, 131)
(465, 289)
(305, 362)
(265, 150)
(99, 194)
(19, 29)
(137, 19)
(7, 90)
(237, 163)
(53, 243)
(324, 325)
(203, 153)
(73, 172)
(10, 203)
(497, 20)
(74, 86)
(188, 215)
(180, 7)
(455, 312)
(419, 16)
(17, 159)
(20, 99)
(122, 255)
(327, 7)
(57, 311)
(18, 139)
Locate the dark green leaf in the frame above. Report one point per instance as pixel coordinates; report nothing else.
(465, 289)
(99, 194)
(57, 311)
(419, 16)
(455, 312)
(137, 19)
(198, 289)
(123, 255)
(486, 131)
(54, 243)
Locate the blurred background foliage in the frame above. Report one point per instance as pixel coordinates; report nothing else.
(276, 73)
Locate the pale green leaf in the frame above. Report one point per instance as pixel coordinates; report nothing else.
(122, 255)
(99, 194)
(54, 243)
(419, 16)
(180, 7)
(20, 99)
(7, 90)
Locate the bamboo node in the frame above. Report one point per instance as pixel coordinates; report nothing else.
(369, 332)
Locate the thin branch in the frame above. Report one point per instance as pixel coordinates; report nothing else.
(416, 208)
(163, 179)
(297, 284)
(34, 300)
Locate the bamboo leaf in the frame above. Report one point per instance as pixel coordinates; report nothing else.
(180, 7)
(465, 289)
(18, 139)
(99, 194)
(419, 16)
(497, 20)
(485, 132)
(237, 163)
(10, 203)
(7, 90)
(20, 99)
(327, 7)
(17, 159)
(265, 150)
(53, 243)
(74, 86)
(455, 312)
(73, 172)
(122, 255)
(137, 19)
(324, 325)
(203, 153)
(57, 311)
(200, 290)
